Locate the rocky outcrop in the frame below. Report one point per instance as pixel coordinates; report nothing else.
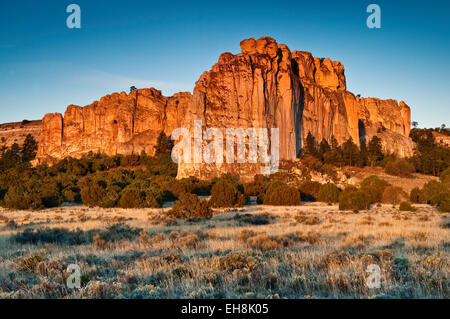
(119, 123)
(330, 110)
(265, 86)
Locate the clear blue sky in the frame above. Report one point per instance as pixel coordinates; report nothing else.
(44, 66)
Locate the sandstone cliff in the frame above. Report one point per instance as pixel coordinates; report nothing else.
(264, 86)
(117, 124)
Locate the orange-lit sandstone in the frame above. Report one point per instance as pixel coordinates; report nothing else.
(264, 86)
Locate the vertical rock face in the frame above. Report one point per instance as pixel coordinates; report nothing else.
(51, 136)
(254, 89)
(264, 86)
(330, 110)
(117, 124)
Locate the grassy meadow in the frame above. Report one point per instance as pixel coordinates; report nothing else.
(257, 251)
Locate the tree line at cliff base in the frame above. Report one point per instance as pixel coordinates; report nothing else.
(142, 181)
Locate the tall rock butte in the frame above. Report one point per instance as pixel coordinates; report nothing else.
(264, 86)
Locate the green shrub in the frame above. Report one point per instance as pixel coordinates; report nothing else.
(430, 189)
(347, 190)
(256, 187)
(203, 209)
(224, 194)
(189, 206)
(3, 193)
(49, 194)
(283, 195)
(185, 206)
(30, 264)
(118, 232)
(60, 236)
(173, 189)
(162, 165)
(35, 193)
(120, 177)
(238, 260)
(414, 196)
(268, 187)
(309, 190)
(132, 197)
(444, 206)
(445, 177)
(399, 167)
(437, 199)
(71, 195)
(153, 197)
(130, 160)
(111, 197)
(72, 166)
(181, 272)
(374, 187)
(92, 193)
(202, 188)
(406, 206)
(261, 219)
(357, 200)
(328, 193)
(11, 224)
(394, 195)
(84, 280)
(253, 189)
(233, 180)
(446, 181)
(19, 197)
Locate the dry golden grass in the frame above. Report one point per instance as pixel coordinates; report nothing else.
(313, 250)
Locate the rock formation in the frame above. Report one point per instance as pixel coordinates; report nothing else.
(265, 86)
(117, 124)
